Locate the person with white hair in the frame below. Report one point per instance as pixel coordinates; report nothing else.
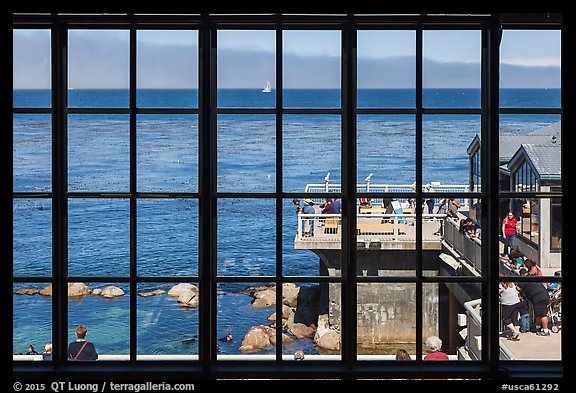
(434, 346)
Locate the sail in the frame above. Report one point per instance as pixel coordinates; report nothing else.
(267, 88)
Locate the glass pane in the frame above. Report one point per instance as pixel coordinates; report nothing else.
(531, 236)
(312, 68)
(98, 153)
(446, 163)
(167, 68)
(311, 156)
(458, 222)
(311, 237)
(310, 321)
(168, 321)
(167, 238)
(530, 321)
(104, 309)
(246, 153)
(533, 141)
(386, 68)
(98, 237)
(32, 321)
(243, 325)
(246, 68)
(32, 241)
(451, 69)
(386, 321)
(246, 237)
(530, 69)
(98, 68)
(386, 150)
(167, 148)
(32, 153)
(31, 72)
(452, 321)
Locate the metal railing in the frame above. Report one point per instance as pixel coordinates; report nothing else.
(390, 227)
(469, 247)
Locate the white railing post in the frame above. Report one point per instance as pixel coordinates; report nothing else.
(326, 180)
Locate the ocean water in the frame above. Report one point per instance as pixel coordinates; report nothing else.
(167, 160)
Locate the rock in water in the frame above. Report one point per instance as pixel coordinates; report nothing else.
(181, 288)
(97, 292)
(188, 298)
(75, 289)
(299, 330)
(27, 291)
(111, 292)
(152, 293)
(257, 339)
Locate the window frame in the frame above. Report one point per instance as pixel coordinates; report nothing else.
(207, 195)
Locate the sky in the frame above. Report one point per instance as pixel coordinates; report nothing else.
(246, 59)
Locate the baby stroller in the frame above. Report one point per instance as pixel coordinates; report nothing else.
(555, 309)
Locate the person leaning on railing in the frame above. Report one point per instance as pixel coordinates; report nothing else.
(306, 207)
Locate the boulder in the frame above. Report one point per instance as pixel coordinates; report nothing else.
(111, 292)
(152, 293)
(290, 294)
(27, 291)
(181, 288)
(299, 330)
(286, 311)
(264, 298)
(325, 337)
(47, 291)
(97, 292)
(257, 339)
(188, 298)
(76, 289)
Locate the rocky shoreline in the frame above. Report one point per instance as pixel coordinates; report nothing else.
(303, 316)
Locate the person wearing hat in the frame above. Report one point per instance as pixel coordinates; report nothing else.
(306, 207)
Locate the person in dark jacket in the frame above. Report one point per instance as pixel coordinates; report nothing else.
(82, 349)
(536, 294)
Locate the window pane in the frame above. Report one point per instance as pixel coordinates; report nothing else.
(530, 69)
(98, 237)
(243, 325)
(311, 157)
(534, 139)
(532, 236)
(451, 69)
(452, 312)
(167, 148)
(167, 68)
(246, 68)
(246, 153)
(31, 72)
(386, 320)
(98, 153)
(312, 68)
(32, 153)
(386, 68)
(168, 321)
(246, 237)
(310, 321)
(386, 149)
(98, 68)
(32, 319)
(32, 241)
(311, 238)
(445, 162)
(104, 308)
(530, 321)
(175, 221)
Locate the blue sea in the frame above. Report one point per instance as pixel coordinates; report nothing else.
(167, 161)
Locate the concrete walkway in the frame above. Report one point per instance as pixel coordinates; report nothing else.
(533, 347)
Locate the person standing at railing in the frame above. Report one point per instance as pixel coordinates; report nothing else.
(509, 231)
(337, 206)
(429, 201)
(306, 207)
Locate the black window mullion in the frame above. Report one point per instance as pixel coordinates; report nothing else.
(133, 200)
(59, 71)
(348, 327)
(419, 64)
(279, 189)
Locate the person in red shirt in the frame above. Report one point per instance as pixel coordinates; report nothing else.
(509, 232)
(434, 346)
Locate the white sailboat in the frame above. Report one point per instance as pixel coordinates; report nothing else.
(267, 88)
